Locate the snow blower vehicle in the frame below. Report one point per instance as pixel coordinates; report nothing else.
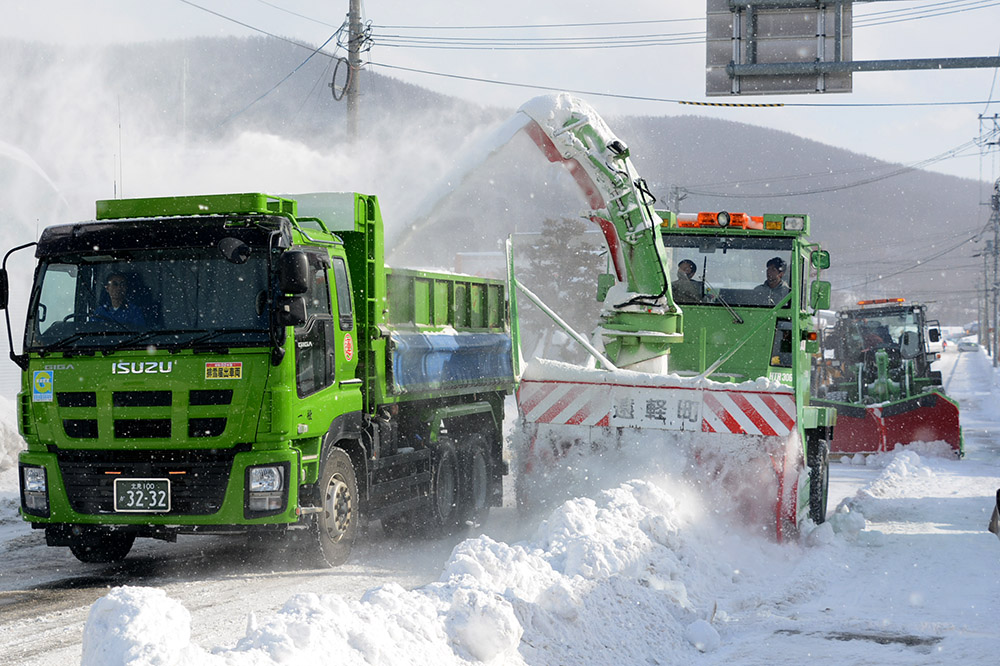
(715, 366)
(876, 372)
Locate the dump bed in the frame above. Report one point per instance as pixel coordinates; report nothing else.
(445, 333)
(421, 334)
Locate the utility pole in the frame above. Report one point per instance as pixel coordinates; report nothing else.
(354, 39)
(995, 220)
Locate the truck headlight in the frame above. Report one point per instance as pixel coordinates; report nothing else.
(34, 479)
(266, 490)
(34, 490)
(266, 479)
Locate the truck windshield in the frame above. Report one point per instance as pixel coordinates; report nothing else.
(175, 298)
(733, 271)
(864, 332)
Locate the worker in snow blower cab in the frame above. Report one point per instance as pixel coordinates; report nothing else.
(114, 305)
(685, 289)
(774, 288)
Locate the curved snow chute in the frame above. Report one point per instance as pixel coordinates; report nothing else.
(568, 131)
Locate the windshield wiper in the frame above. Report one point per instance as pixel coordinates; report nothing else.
(63, 345)
(148, 335)
(223, 331)
(737, 319)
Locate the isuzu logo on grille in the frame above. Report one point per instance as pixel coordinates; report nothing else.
(141, 368)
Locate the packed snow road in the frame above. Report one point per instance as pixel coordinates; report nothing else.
(903, 573)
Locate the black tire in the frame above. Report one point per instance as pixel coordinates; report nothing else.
(443, 514)
(336, 526)
(474, 504)
(103, 547)
(818, 459)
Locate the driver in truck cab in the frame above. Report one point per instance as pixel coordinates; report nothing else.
(115, 306)
(684, 288)
(774, 287)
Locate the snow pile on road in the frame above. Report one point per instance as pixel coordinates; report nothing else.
(631, 558)
(10, 441)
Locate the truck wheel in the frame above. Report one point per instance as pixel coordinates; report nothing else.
(444, 509)
(818, 459)
(336, 525)
(113, 547)
(475, 496)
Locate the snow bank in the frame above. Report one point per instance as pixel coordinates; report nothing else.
(137, 625)
(629, 558)
(10, 445)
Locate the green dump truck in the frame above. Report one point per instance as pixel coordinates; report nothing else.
(246, 363)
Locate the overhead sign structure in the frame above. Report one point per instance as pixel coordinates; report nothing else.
(772, 47)
(755, 33)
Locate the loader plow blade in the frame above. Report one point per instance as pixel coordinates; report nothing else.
(737, 443)
(928, 417)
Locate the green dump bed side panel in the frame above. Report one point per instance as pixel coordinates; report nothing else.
(421, 334)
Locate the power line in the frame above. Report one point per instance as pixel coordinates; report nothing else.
(917, 264)
(646, 98)
(833, 188)
(534, 26)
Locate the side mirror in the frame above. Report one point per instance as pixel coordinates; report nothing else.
(4, 289)
(819, 294)
(604, 283)
(293, 272)
(292, 311)
(820, 259)
(934, 334)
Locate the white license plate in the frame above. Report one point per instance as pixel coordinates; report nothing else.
(142, 495)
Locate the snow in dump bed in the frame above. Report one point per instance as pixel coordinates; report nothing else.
(545, 370)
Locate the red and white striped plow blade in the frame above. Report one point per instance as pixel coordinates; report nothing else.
(744, 440)
(739, 411)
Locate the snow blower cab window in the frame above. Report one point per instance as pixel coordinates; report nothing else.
(732, 272)
(897, 333)
(182, 297)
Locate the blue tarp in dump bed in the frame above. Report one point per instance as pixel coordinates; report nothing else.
(422, 361)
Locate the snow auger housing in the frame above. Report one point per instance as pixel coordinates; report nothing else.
(736, 327)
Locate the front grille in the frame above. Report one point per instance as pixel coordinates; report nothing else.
(141, 399)
(208, 427)
(76, 398)
(142, 428)
(197, 479)
(80, 428)
(206, 397)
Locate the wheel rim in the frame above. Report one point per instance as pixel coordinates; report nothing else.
(337, 506)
